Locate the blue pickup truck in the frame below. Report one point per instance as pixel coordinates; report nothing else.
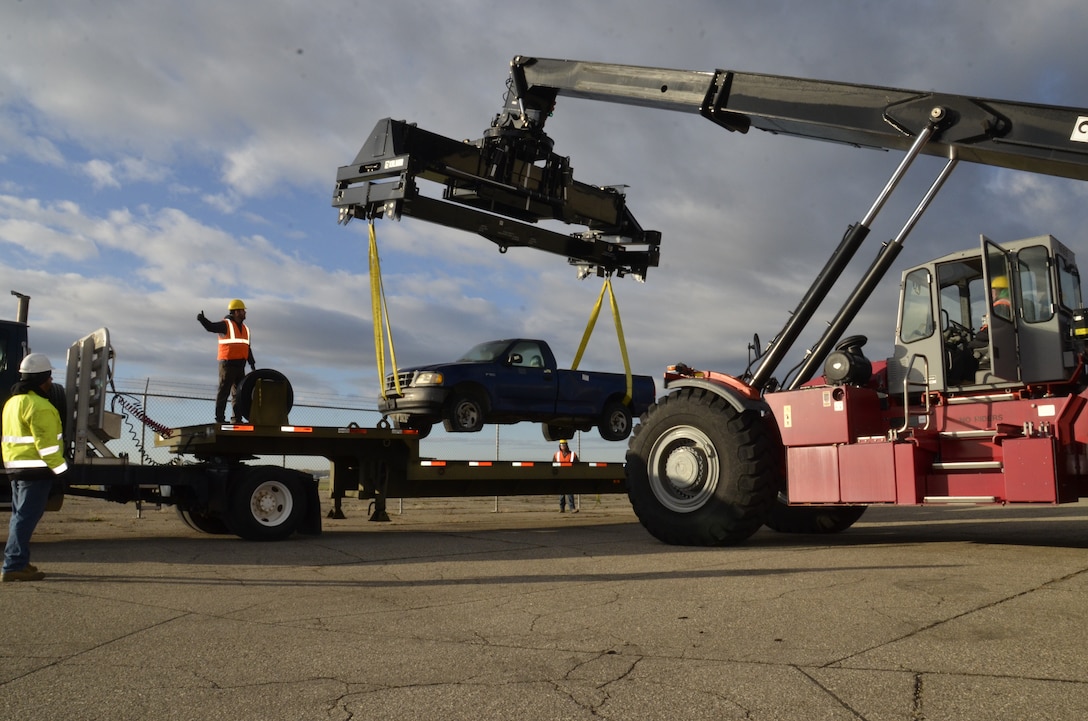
(513, 380)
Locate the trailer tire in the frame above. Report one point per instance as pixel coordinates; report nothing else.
(812, 519)
(268, 503)
(203, 521)
(615, 423)
(700, 472)
(249, 384)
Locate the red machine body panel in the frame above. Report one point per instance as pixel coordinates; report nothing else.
(840, 448)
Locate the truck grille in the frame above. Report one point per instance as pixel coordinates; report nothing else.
(404, 378)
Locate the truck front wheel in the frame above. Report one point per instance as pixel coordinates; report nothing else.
(700, 472)
(465, 413)
(268, 503)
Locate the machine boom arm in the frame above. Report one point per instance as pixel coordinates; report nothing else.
(1044, 139)
(502, 184)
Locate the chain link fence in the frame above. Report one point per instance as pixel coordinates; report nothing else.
(149, 405)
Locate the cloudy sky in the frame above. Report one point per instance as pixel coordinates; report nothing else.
(160, 158)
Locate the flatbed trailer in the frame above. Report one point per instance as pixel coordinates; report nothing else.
(384, 462)
(217, 484)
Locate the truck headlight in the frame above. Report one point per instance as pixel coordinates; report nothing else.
(427, 378)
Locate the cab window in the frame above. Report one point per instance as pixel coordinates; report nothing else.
(1036, 296)
(916, 321)
(1069, 281)
(531, 357)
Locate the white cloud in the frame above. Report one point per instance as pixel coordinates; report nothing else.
(211, 143)
(101, 174)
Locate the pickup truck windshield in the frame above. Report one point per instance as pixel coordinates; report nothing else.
(485, 352)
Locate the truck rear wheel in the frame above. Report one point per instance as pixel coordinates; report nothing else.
(615, 423)
(268, 503)
(700, 472)
(812, 519)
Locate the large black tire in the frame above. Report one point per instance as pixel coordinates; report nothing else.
(700, 472)
(202, 521)
(615, 423)
(812, 519)
(267, 503)
(59, 399)
(464, 412)
(249, 384)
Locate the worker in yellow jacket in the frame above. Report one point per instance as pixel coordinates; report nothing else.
(33, 452)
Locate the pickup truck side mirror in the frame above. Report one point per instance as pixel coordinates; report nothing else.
(514, 359)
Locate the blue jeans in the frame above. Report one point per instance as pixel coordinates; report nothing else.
(565, 499)
(28, 499)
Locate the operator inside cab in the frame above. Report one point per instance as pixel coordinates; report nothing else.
(1000, 306)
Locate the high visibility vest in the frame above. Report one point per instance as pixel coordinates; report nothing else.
(234, 344)
(32, 436)
(568, 457)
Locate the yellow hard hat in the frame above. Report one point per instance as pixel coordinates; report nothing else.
(236, 305)
(1000, 282)
(562, 443)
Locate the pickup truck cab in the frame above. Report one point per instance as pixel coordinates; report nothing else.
(514, 380)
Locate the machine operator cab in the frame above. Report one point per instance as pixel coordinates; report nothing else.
(996, 317)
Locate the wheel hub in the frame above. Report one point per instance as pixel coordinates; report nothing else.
(270, 504)
(685, 468)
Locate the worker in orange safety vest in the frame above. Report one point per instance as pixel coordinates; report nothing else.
(566, 455)
(234, 352)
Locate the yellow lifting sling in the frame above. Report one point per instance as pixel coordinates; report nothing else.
(619, 334)
(381, 316)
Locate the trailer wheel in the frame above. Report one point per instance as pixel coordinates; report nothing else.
(268, 503)
(700, 472)
(615, 423)
(812, 519)
(202, 521)
(465, 412)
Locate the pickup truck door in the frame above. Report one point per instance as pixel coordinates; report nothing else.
(525, 386)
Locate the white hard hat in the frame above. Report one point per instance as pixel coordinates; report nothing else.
(35, 363)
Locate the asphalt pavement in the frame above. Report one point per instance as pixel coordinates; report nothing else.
(506, 609)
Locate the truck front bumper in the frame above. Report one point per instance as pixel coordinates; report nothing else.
(425, 402)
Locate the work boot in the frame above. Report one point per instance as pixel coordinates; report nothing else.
(26, 574)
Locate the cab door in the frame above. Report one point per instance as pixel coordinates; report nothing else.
(1004, 349)
(524, 385)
